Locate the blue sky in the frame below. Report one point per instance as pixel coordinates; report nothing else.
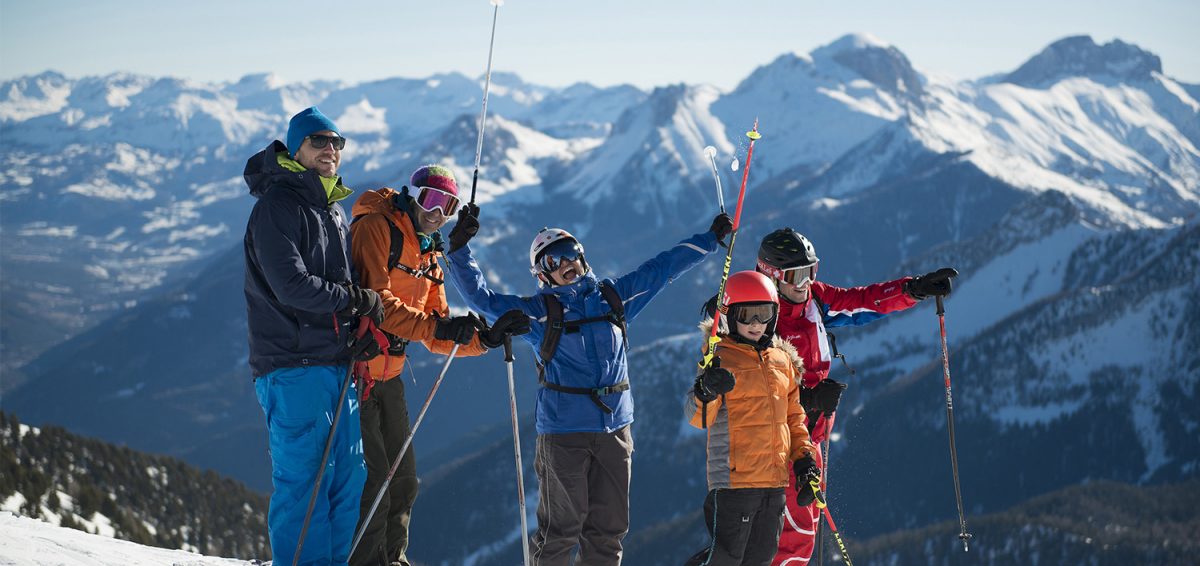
(558, 42)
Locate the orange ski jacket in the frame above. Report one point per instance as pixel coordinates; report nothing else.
(756, 430)
(409, 300)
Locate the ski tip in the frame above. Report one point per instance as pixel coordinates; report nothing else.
(753, 135)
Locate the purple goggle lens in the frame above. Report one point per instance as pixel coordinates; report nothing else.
(430, 199)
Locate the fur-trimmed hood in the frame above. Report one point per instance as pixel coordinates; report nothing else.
(776, 342)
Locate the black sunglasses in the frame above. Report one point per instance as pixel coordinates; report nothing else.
(319, 142)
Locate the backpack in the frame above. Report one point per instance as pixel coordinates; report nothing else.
(396, 248)
(556, 326)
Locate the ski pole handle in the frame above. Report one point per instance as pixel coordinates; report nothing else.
(941, 307)
(508, 355)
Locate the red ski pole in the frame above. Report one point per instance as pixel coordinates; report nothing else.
(963, 535)
(711, 346)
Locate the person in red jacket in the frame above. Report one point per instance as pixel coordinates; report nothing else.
(806, 308)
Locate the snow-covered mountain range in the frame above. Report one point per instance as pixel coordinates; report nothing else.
(1065, 192)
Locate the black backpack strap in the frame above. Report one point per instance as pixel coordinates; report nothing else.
(616, 312)
(394, 254)
(556, 326)
(593, 392)
(554, 331)
(397, 245)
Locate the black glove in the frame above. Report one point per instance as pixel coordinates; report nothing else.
(365, 347)
(460, 329)
(363, 302)
(713, 382)
(722, 225)
(511, 323)
(932, 284)
(805, 469)
(823, 398)
(466, 227)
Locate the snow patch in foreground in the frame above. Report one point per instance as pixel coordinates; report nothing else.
(31, 542)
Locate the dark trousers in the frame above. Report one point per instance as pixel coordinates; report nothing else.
(583, 499)
(744, 525)
(384, 417)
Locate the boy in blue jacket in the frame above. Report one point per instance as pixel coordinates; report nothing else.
(584, 409)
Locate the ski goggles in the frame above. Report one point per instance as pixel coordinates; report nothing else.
(318, 141)
(795, 276)
(761, 313)
(430, 199)
(560, 252)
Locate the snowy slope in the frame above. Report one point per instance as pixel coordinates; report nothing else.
(29, 542)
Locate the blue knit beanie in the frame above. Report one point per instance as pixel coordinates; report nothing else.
(309, 121)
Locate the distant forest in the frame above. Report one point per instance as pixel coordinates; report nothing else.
(159, 501)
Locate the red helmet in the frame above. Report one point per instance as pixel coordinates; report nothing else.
(749, 287)
(751, 297)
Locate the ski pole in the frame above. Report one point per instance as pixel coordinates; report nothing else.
(403, 449)
(487, 84)
(824, 492)
(737, 216)
(814, 482)
(364, 324)
(512, 407)
(711, 152)
(963, 535)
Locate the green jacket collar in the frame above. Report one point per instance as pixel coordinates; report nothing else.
(334, 189)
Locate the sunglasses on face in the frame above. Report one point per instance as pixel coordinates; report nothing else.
(318, 141)
(431, 199)
(751, 314)
(560, 252)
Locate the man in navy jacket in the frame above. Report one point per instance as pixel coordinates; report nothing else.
(302, 311)
(584, 408)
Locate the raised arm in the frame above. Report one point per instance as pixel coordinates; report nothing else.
(469, 280)
(639, 286)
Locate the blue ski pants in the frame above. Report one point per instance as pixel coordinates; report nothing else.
(299, 404)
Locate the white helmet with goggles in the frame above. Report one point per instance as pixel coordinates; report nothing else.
(549, 248)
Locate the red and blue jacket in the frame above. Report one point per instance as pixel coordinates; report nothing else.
(803, 325)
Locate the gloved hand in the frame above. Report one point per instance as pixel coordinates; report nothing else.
(460, 329)
(511, 323)
(363, 302)
(713, 382)
(805, 469)
(722, 225)
(932, 284)
(823, 398)
(466, 227)
(363, 346)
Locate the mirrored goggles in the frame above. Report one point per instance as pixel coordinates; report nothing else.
(318, 141)
(562, 251)
(430, 199)
(761, 313)
(798, 276)
(794, 276)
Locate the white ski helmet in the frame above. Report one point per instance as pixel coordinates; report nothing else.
(544, 239)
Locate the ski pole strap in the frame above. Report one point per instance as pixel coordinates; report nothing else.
(365, 382)
(814, 482)
(593, 392)
(710, 351)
